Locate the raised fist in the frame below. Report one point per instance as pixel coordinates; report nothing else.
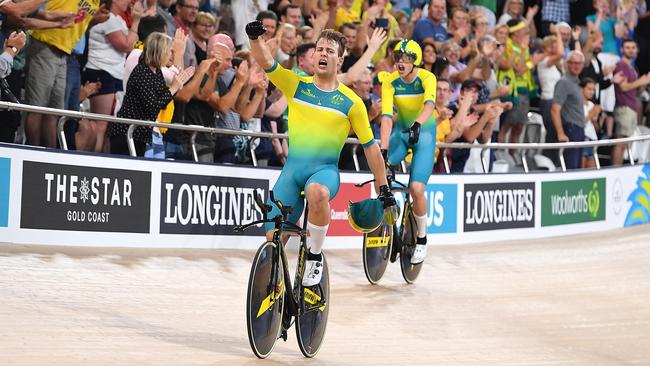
(255, 29)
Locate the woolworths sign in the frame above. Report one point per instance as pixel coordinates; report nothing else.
(573, 201)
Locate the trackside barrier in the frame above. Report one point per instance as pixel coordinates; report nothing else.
(56, 197)
(523, 147)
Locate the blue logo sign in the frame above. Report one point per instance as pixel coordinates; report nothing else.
(442, 207)
(639, 212)
(442, 211)
(5, 174)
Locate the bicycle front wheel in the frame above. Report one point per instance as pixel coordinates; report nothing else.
(376, 252)
(408, 236)
(265, 300)
(311, 325)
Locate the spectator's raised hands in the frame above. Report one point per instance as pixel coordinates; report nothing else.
(178, 48)
(137, 10)
(575, 32)
(262, 85)
(532, 11)
(16, 39)
(377, 38)
(470, 120)
(256, 75)
(151, 8)
(101, 15)
(445, 113)
(89, 89)
(417, 14)
(242, 71)
(180, 79)
(618, 78)
(205, 65)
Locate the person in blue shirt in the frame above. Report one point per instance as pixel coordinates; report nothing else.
(430, 28)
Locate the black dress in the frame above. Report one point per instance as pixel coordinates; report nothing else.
(146, 94)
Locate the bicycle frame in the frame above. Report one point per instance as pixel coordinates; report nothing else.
(281, 227)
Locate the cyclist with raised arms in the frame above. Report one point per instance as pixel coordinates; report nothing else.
(412, 91)
(321, 112)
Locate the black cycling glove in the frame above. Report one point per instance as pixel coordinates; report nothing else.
(414, 133)
(255, 29)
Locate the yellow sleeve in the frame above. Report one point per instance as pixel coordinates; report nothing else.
(360, 124)
(430, 84)
(387, 94)
(285, 80)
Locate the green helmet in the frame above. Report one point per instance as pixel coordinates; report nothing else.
(366, 216)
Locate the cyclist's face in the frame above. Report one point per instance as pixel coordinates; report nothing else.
(326, 57)
(403, 64)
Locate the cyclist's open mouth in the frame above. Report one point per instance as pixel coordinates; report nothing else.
(322, 64)
(401, 68)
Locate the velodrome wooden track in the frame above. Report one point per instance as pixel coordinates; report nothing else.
(579, 300)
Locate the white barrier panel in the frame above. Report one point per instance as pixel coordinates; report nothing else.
(67, 198)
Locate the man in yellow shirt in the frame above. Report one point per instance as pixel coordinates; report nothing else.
(46, 66)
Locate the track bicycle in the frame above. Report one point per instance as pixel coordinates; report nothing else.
(270, 306)
(380, 245)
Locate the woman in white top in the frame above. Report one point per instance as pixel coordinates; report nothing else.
(549, 71)
(109, 42)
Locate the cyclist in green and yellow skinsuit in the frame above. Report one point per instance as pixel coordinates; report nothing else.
(412, 91)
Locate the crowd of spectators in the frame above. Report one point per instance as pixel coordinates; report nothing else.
(583, 65)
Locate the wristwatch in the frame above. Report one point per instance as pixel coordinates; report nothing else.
(13, 49)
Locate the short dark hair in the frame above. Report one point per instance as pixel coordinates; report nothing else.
(303, 49)
(347, 25)
(627, 40)
(586, 80)
(266, 14)
(150, 24)
(429, 44)
(444, 80)
(336, 37)
(292, 6)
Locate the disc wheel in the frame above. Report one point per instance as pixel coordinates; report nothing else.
(408, 237)
(265, 300)
(376, 252)
(311, 325)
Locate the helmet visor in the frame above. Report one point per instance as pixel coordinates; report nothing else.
(404, 55)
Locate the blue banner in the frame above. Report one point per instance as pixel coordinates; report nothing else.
(5, 175)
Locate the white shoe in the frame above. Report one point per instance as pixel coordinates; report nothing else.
(419, 254)
(313, 272)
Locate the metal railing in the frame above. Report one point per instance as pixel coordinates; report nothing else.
(523, 148)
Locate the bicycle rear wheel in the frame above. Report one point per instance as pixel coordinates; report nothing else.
(265, 300)
(376, 252)
(408, 237)
(311, 325)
